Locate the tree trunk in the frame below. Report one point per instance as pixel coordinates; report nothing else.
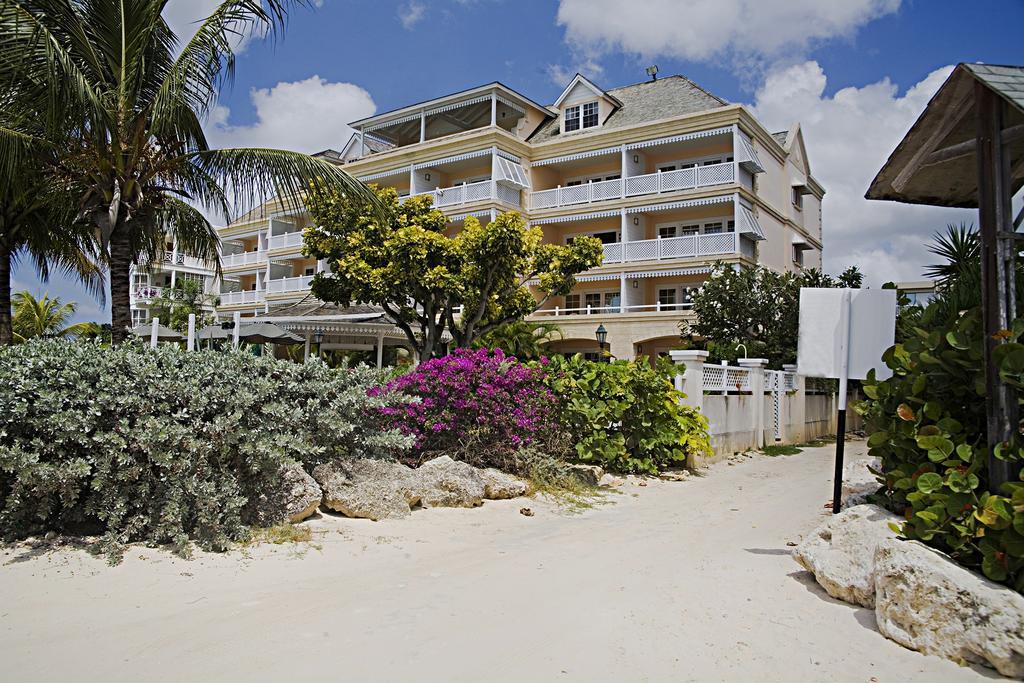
(120, 289)
(6, 333)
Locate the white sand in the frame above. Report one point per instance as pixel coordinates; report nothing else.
(672, 581)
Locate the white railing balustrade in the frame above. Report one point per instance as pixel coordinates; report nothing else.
(462, 194)
(288, 240)
(248, 258)
(685, 246)
(289, 284)
(509, 195)
(648, 183)
(559, 311)
(725, 378)
(248, 296)
(147, 292)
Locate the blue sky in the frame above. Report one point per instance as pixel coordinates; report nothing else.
(854, 73)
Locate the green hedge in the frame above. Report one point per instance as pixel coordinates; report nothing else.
(626, 416)
(165, 446)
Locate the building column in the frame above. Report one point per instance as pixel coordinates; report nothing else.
(622, 172)
(380, 349)
(796, 422)
(237, 319)
(306, 349)
(494, 109)
(756, 367)
(423, 126)
(623, 223)
(412, 179)
(174, 278)
(691, 381)
(622, 292)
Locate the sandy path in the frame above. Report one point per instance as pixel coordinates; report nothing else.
(673, 581)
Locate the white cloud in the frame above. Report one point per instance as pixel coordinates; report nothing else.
(706, 29)
(305, 116)
(185, 16)
(587, 66)
(849, 136)
(411, 14)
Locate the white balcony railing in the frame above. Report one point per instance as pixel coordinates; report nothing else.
(289, 284)
(686, 246)
(248, 296)
(289, 240)
(146, 292)
(649, 183)
(558, 311)
(248, 258)
(473, 192)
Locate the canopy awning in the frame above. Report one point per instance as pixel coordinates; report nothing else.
(799, 242)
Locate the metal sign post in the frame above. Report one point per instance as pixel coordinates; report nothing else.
(843, 334)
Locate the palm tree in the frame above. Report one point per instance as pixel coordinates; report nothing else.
(37, 216)
(136, 155)
(960, 250)
(44, 317)
(521, 339)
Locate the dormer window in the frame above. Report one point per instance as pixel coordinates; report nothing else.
(581, 116)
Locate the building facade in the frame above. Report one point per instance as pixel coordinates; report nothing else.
(671, 179)
(174, 266)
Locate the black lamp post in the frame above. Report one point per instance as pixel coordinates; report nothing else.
(318, 335)
(602, 335)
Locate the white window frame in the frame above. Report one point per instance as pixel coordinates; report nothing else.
(596, 114)
(575, 114)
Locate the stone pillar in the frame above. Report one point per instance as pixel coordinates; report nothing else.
(796, 430)
(691, 381)
(756, 367)
(154, 332)
(191, 331)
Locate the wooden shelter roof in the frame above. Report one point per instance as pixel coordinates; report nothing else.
(935, 163)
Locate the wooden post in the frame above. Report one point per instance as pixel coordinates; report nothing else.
(997, 273)
(191, 332)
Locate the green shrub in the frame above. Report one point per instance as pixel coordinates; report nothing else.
(626, 416)
(165, 446)
(927, 424)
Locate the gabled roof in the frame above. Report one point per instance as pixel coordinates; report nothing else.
(780, 137)
(643, 102)
(578, 79)
(373, 145)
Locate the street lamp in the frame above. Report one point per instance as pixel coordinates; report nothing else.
(602, 335)
(318, 335)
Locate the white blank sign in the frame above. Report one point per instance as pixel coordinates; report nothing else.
(872, 330)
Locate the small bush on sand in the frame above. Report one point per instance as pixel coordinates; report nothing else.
(164, 446)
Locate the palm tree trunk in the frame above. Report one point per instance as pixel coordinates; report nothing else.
(6, 333)
(120, 288)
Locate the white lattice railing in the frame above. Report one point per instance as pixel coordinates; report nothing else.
(289, 240)
(724, 378)
(558, 311)
(648, 183)
(249, 296)
(507, 194)
(779, 380)
(461, 194)
(147, 292)
(248, 258)
(686, 246)
(289, 284)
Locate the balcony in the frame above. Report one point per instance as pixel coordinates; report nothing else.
(634, 186)
(686, 246)
(248, 258)
(146, 292)
(177, 259)
(557, 312)
(248, 296)
(289, 240)
(469, 193)
(289, 284)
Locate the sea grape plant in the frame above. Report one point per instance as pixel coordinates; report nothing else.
(927, 425)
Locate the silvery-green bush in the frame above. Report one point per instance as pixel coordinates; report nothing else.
(164, 446)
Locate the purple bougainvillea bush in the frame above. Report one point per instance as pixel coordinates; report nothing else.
(479, 406)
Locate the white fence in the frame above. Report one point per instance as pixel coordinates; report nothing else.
(248, 258)
(749, 406)
(473, 192)
(289, 240)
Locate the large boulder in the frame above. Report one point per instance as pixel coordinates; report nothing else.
(589, 475)
(925, 601)
(443, 482)
(859, 482)
(840, 552)
(293, 497)
(499, 485)
(372, 489)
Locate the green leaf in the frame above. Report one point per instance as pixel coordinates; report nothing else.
(929, 482)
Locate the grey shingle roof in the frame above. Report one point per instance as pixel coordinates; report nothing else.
(647, 101)
(1008, 81)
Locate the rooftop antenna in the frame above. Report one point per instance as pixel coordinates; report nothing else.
(652, 71)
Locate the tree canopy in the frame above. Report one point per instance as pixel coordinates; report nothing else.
(398, 256)
(757, 307)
